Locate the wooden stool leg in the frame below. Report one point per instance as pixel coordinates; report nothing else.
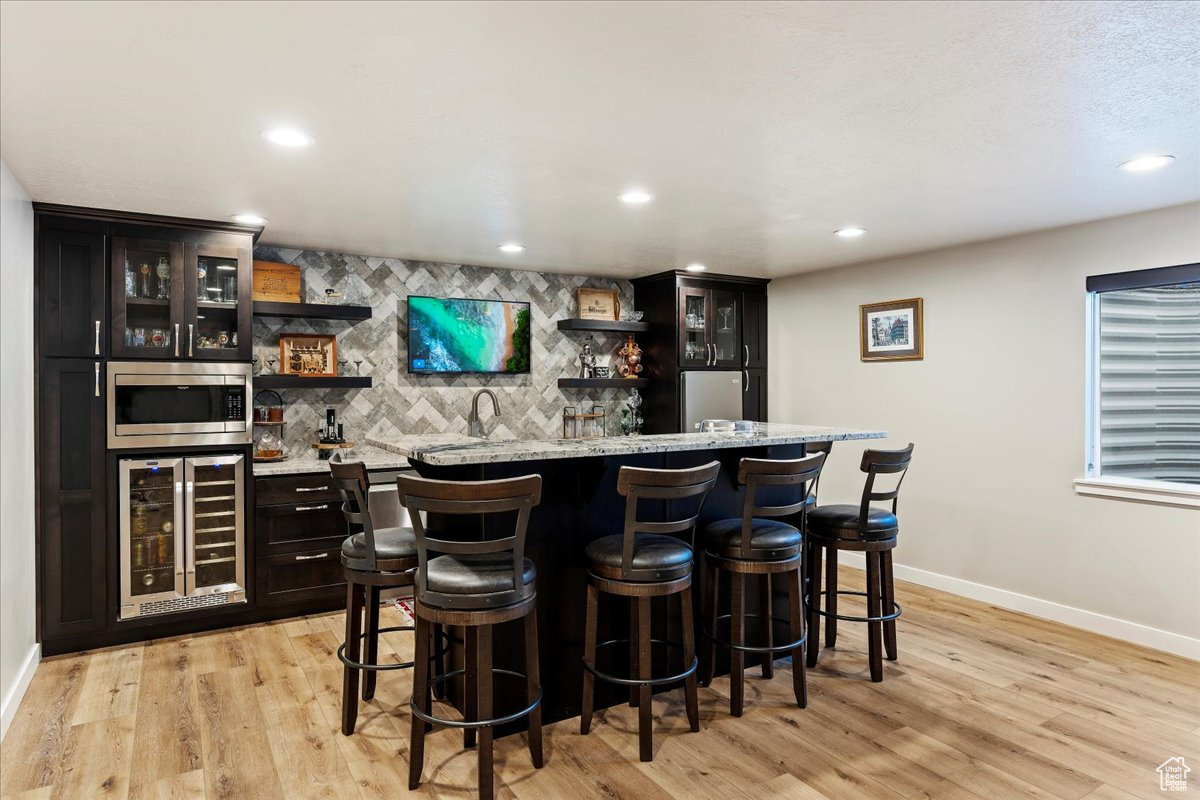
(874, 629)
(796, 614)
(483, 704)
(645, 723)
(712, 585)
(589, 657)
(633, 649)
(768, 610)
(831, 599)
(889, 599)
(533, 683)
(737, 630)
(471, 683)
(689, 653)
(354, 609)
(439, 664)
(372, 647)
(814, 603)
(416, 749)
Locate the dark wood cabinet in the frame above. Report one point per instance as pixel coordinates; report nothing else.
(754, 395)
(72, 556)
(72, 295)
(708, 321)
(146, 302)
(299, 530)
(754, 328)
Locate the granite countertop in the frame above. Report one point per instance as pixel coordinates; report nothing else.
(308, 463)
(449, 449)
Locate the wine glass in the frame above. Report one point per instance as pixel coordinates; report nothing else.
(358, 366)
(271, 364)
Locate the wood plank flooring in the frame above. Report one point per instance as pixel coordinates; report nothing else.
(984, 704)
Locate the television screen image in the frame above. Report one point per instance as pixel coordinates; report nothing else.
(453, 335)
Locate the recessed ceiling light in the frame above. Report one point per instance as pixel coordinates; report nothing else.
(849, 233)
(696, 268)
(249, 219)
(636, 197)
(288, 137)
(1148, 163)
(511, 247)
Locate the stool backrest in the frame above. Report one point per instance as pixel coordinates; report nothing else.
(882, 462)
(635, 483)
(759, 472)
(475, 498)
(350, 478)
(810, 449)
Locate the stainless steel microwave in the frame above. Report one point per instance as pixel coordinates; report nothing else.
(177, 404)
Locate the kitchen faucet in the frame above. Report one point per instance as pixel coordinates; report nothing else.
(474, 426)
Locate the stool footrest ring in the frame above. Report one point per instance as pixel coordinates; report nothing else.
(604, 676)
(851, 618)
(478, 723)
(438, 652)
(746, 648)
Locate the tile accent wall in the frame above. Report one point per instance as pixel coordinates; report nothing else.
(399, 403)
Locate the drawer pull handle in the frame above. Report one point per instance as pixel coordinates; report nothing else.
(313, 508)
(312, 488)
(313, 557)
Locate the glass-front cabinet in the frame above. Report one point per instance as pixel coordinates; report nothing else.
(181, 536)
(185, 298)
(709, 327)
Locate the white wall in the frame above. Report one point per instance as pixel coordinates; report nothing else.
(996, 411)
(18, 649)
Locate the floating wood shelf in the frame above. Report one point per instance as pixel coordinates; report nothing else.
(602, 383)
(603, 325)
(311, 311)
(301, 382)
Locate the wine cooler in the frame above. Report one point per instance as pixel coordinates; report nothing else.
(182, 542)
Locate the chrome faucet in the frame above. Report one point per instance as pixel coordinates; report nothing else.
(474, 426)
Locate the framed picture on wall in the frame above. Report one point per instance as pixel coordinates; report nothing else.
(892, 331)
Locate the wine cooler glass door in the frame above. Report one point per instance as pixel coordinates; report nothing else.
(152, 552)
(215, 497)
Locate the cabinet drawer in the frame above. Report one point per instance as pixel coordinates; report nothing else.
(299, 526)
(295, 489)
(301, 577)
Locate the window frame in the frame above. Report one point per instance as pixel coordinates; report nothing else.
(1094, 483)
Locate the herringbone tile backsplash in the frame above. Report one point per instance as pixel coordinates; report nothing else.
(397, 402)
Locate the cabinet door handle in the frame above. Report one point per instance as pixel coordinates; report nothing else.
(189, 340)
(746, 363)
(313, 557)
(177, 340)
(745, 381)
(714, 355)
(97, 379)
(312, 488)
(97, 337)
(313, 508)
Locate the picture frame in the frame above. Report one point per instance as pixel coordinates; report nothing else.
(892, 330)
(599, 304)
(308, 355)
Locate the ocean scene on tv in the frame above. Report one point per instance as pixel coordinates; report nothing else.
(454, 335)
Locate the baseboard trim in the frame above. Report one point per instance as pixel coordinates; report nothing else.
(12, 700)
(1127, 631)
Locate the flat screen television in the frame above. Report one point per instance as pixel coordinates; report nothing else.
(454, 335)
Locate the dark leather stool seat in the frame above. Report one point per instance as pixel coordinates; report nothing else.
(769, 538)
(655, 557)
(477, 574)
(842, 521)
(390, 544)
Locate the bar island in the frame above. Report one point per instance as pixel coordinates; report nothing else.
(580, 503)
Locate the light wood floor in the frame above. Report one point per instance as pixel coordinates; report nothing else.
(983, 703)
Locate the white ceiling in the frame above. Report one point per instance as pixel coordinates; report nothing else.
(445, 129)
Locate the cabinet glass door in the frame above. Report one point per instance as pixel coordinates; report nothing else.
(147, 297)
(218, 305)
(725, 327)
(216, 561)
(695, 348)
(151, 523)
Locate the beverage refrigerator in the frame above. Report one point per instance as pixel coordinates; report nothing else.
(181, 533)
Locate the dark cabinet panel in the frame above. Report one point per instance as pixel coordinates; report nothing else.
(754, 329)
(217, 284)
(147, 297)
(299, 529)
(291, 489)
(302, 526)
(754, 395)
(295, 578)
(71, 294)
(71, 452)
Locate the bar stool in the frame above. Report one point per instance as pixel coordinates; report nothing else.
(641, 563)
(755, 544)
(475, 585)
(871, 531)
(372, 559)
